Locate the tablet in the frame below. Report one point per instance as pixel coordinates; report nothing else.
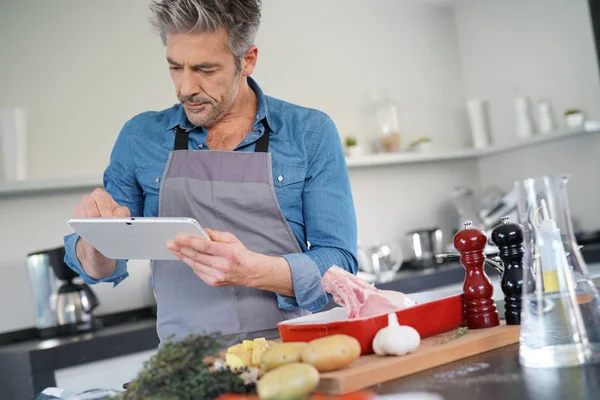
(135, 238)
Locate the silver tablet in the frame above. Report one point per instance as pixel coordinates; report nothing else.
(135, 238)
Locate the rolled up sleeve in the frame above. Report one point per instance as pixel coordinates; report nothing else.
(330, 223)
(73, 262)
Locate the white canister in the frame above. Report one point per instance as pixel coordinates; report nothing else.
(479, 123)
(546, 119)
(524, 124)
(13, 141)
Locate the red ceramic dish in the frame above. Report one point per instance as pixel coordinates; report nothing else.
(429, 319)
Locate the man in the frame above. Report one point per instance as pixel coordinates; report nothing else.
(267, 178)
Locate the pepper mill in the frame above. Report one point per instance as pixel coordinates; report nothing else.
(481, 310)
(509, 239)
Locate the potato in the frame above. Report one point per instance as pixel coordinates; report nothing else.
(238, 360)
(281, 354)
(331, 352)
(236, 348)
(292, 381)
(248, 345)
(247, 353)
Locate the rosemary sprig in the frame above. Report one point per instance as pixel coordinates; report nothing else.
(458, 333)
(180, 370)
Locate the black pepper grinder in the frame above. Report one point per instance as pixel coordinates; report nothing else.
(508, 237)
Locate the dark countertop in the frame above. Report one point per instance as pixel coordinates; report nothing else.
(27, 367)
(497, 375)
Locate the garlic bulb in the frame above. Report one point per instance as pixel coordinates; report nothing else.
(395, 339)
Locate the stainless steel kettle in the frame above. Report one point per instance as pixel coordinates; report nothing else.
(74, 306)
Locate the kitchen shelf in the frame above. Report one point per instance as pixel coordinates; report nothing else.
(34, 187)
(459, 154)
(29, 187)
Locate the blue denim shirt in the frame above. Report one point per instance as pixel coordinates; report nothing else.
(315, 197)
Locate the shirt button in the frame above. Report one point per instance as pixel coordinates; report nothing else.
(156, 179)
(280, 178)
(201, 145)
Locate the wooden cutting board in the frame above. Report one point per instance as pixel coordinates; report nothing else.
(437, 350)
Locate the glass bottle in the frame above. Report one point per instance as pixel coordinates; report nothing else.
(560, 317)
(388, 122)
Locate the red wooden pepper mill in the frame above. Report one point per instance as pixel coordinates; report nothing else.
(481, 310)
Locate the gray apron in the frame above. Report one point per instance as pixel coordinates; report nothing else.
(226, 191)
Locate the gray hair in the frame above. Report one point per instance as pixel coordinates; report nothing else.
(241, 19)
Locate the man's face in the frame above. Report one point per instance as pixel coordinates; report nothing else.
(205, 75)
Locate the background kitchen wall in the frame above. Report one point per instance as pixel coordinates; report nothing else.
(81, 69)
(547, 52)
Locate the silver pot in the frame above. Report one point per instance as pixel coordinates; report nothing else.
(423, 244)
(380, 260)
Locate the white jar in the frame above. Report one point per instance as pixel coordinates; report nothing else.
(546, 119)
(524, 124)
(477, 111)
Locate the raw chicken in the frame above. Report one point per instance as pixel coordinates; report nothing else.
(359, 297)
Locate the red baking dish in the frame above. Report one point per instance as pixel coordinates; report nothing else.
(429, 319)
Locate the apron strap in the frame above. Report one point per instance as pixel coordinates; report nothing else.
(262, 144)
(181, 138)
(182, 135)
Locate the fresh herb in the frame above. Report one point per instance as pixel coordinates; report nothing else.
(572, 111)
(458, 333)
(418, 141)
(350, 141)
(461, 331)
(182, 370)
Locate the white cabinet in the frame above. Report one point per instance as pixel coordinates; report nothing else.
(105, 374)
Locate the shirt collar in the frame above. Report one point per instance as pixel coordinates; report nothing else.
(178, 116)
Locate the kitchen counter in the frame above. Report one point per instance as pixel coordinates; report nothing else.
(497, 375)
(28, 367)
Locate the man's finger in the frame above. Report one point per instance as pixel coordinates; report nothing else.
(79, 211)
(224, 237)
(212, 262)
(203, 245)
(104, 202)
(90, 206)
(122, 212)
(204, 272)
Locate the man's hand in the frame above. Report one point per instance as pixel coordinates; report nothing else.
(224, 261)
(99, 204)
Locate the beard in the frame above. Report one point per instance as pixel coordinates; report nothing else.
(212, 110)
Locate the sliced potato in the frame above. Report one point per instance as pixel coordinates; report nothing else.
(289, 382)
(282, 354)
(249, 345)
(238, 360)
(247, 353)
(331, 352)
(236, 348)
